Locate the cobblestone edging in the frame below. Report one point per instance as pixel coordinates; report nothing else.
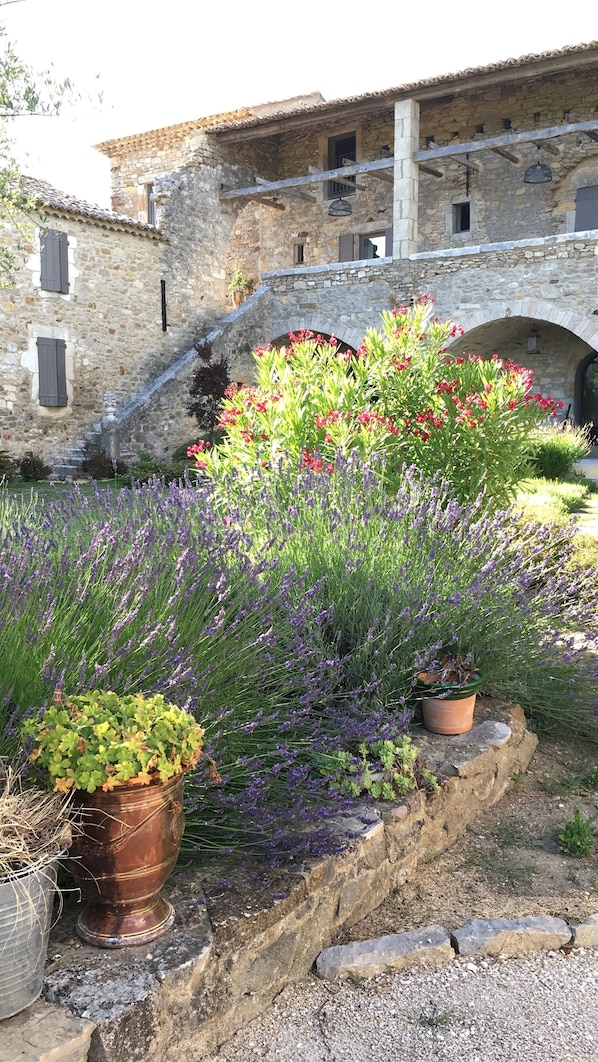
(431, 945)
(232, 950)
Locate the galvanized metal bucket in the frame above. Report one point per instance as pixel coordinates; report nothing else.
(26, 899)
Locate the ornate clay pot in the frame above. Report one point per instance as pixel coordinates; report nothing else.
(450, 715)
(129, 845)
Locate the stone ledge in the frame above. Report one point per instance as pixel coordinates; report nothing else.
(237, 942)
(45, 1033)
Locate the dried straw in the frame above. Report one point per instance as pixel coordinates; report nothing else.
(35, 825)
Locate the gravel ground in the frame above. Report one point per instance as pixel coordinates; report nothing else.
(543, 1008)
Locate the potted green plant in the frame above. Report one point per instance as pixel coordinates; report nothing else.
(240, 287)
(125, 758)
(448, 694)
(35, 831)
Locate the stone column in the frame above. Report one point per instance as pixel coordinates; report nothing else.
(406, 179)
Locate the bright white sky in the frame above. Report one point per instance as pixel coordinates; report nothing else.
(161, 63)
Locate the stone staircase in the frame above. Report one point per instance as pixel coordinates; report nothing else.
(221, 337)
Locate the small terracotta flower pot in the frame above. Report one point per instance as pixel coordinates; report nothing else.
(450, 715)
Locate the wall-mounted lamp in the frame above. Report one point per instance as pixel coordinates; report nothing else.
(340, 208)
(533, 341)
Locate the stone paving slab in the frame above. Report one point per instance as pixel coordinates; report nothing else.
(511, 937)
(45, 1033)
(368, 958)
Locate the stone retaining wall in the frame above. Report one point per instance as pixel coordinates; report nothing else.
(236, 944)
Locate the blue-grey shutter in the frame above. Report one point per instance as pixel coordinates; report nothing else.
(51, 355)
(345, 247)
(389, 237)
(586, 209)
(54, 261)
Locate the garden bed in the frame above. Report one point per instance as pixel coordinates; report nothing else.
(245, 931)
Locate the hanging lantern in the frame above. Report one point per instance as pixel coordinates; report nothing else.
(539, 173)
(340, 208)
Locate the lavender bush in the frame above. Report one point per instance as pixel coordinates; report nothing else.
(292, 623)
(409, 576)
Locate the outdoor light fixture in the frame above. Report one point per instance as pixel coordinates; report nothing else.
(533, 341)
(340, 208)
(539, 173)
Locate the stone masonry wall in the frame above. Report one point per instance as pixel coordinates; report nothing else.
(110, 321)
(555, 282)
(503, 208)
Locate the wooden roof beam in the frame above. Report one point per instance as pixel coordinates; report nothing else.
(505, 154)
(294, 193)
(505, 140)
(425, 168)
(255, 191)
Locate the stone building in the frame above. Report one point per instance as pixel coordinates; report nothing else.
(480, 188)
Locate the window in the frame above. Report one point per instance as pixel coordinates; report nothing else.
(341, 149)
(373, 245)
(586, 209)
(150, 206)
(54, 261)
(298, 254)
(462, 217)
(51, 354)
(368, 246)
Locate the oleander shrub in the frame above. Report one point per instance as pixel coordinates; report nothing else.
(401, 399)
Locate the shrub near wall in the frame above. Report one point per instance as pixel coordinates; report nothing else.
(401, 396)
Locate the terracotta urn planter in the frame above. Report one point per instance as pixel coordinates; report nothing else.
(129, 846)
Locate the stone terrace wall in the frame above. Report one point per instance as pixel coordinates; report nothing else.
(553, 280)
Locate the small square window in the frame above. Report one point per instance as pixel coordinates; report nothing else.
(462, 217)
(298, 254)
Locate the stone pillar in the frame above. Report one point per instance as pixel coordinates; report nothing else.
(406, 179)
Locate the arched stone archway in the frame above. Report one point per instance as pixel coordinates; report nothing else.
(565, 340)
(537, 310)
(586, 392)
(350, 337)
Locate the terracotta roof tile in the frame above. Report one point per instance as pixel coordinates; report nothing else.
(50, 197)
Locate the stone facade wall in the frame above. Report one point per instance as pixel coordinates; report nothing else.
(110, 321)
(503, 208)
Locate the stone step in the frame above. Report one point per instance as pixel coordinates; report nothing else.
(45, 1032)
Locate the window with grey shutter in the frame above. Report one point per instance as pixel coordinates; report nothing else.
(51, 354)
(586, 209)
(54, 261)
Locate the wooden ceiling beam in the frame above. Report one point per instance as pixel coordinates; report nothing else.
(425, 168)
(319, 177)
(505, 140)
(505, 154)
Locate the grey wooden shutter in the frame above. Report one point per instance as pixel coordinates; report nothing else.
(586, 209)
(51, 355)
(345, 247)
(54, 261)
(388, 248)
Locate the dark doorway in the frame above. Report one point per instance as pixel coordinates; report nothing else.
(588, 403)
